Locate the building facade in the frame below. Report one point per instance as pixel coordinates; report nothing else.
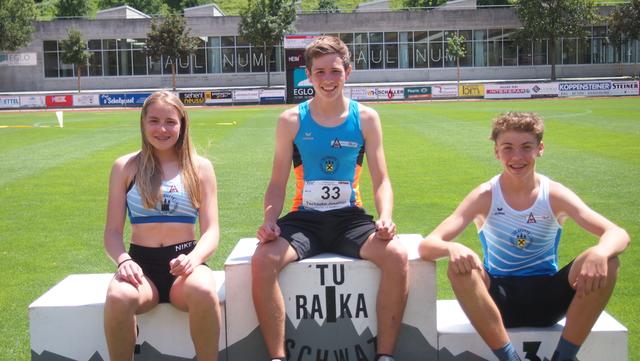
(387, 47)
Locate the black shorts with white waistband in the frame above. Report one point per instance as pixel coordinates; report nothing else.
(532, 301)
(154, 262)
(342, 231)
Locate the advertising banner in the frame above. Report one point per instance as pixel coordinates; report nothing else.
(444, 91)
(471, 91)
(544, 90)
(192, 98)
(86, 100)
(54, 101)
(423, 92)
(507, 91)
(32, 101)
(298, 86)
(9, 101)
(628, 87)
(586, 88)
(246, 96)
(363, 94)
(19, 59)
(393, 93)
(123, 100)
(272, 96)
(218, 97)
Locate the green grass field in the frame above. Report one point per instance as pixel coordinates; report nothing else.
(53, 184)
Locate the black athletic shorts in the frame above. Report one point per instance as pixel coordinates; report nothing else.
(342, 231)
(154, 262)
(532, 301)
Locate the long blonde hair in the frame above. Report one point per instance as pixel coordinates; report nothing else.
(148, 169)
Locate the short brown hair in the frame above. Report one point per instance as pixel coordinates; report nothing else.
(518, 121)
(324, 45)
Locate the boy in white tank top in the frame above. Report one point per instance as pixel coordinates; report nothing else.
(519, 216)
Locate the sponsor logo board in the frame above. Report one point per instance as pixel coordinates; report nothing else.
(272, 96)
(19, 59)
(32, 101)
(86, 100)
(219, 97)
(248, 96)
(507, 91)
(544, 90)
(471, 91)
(9, 101)
(363, 94)
(389, 93)
(59, 101)
(628, 87)
(123, 100)
(587, 88)
(444, 91)
(423, 92)
(192, 98)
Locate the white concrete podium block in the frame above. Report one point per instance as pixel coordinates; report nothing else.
(330, 304)
(458, 340)
(67, 323)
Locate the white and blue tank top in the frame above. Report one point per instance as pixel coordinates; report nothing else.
(174, 206)
(520, 243)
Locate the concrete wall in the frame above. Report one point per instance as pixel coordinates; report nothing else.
(31, 78)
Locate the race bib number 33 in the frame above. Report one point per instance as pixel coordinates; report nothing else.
(324, 195)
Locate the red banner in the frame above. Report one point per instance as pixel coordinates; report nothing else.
(59, 100)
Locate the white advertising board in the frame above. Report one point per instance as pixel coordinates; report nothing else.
(444, 91)
(358, 93)
(9, 101)
(86, 100)
(507, 91)
(628, 87)
(32, 101)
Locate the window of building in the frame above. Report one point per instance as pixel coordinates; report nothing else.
(494, 47)
(570, 51)
(479, 48)
(540, 52)
(436, 49)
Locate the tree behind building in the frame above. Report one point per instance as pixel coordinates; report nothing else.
(72, 8)
(264, 23)
(15, 23)
(553, 20)
(624, 26)
(74, 51)
(171, 40)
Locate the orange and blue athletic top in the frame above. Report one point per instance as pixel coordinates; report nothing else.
(175, 205)
(327, 162)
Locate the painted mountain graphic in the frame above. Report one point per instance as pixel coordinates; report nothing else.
(337, 341)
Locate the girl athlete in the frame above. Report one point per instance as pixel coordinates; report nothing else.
(164, 188)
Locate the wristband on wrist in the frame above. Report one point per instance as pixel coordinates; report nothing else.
(120, 264)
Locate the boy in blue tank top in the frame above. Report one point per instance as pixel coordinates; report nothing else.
(326, 140)
(519, 216)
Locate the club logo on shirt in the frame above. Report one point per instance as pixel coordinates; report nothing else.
(531, 218)
(521, 238)
(329, 165)
(168, 205)
(337, 143)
